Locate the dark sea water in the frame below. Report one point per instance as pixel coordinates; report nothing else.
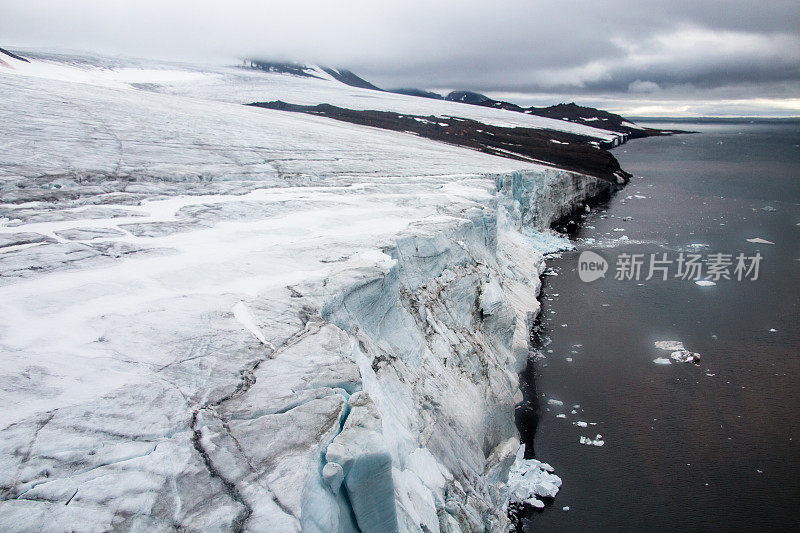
(686, 447)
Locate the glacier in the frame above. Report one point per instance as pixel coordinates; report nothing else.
(216, 317)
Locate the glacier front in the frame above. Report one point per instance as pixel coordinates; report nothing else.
(217, 317)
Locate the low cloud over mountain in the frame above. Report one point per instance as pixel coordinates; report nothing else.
(740, 55)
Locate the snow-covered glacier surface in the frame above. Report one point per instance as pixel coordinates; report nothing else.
(216, 317)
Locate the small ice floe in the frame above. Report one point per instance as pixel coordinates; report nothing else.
(662, 361)
(562, 415)
(553, 401)
(669, 345)
(535, 502)
(565, 508)
(618, 229)
(573, 412)
(581, 424)
(705, 283)
(530, 480)
(677, 351)
(696, 245)
(759, 240)
(685, 356)
(597, 441)
(772, 330)
(569, 359)
(768, 209)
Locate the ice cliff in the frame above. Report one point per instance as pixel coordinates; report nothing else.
(215, 317)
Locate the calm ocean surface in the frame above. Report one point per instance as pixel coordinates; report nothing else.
(686, 447)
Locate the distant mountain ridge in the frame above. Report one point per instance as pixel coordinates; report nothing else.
(12, 54)
(345, 76)
(418, 92)
(572, 112)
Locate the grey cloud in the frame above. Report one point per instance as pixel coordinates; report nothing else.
(582, 47)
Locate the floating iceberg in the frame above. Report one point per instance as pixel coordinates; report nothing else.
(678, 353)
(530, 479)
(597, 441)
(669, 345)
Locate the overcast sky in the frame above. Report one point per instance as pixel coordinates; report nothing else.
(638, 57)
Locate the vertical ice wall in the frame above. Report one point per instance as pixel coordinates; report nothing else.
(439, 339)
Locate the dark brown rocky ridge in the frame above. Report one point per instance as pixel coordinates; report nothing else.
(569, 151)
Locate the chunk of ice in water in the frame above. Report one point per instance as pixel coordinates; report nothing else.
(685, 356)
(669, 345)
(597, 441)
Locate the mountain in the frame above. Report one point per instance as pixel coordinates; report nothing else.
(468, 97)
(350, 78)
(418, 92)
(312, 71)
(571, 112)
(12, 55)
